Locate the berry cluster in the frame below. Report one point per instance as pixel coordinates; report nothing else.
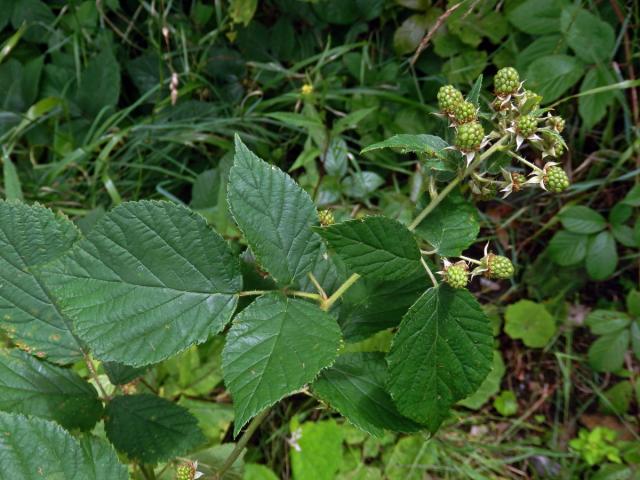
(518, 117)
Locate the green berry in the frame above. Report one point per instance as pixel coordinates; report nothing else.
(448, 98)
(488, 191)
(557, 123)
(326, 218)
(457, 275)
(465, 112)
(506, 81)
(555, 179)
(498, 267)
(526, 125)
(186, 471)
(469, 136)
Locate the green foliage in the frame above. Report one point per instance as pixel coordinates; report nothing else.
(316, 449)
(596, 445)
(150, 428)
(529, 322)
(506, 403)
(59, 455)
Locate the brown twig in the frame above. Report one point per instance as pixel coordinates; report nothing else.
(425, 41)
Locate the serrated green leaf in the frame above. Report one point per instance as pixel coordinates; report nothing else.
(274, 214)
(489, 387)
(374, 305)
(607, 353)
(120, 374)
(151, 429)
(474, 94)
(553, 75)
(150, 279)
(529, 322)
(99, 86)
(32, 235)
(567, 248)
(580, 219)
(430, 145)
(355, 387)
(34, 448)
(602, 256)
(592, 39)
(540, 47)
(34, 387)
(451, 227)
(274, 347)
(441, 354)
(602, 322)
(376, 247)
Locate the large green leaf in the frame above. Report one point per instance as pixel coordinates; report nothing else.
(33, 448)
(430, 145)
(581, 219)
(99, 85)
(489, 387)
(602, 256)
(275, 346)
(451, 227)
(592, 39)
(151, 429)
(553, 75)
(150, 279)
(441, 354)
(274, 214)
(537, 16)
(34, 387)
(567, 248)
(376, 247)
(607, 353)
(373, 305)
(31, 235)
(355, 387)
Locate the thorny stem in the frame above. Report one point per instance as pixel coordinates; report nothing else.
(316, 284)
(237, 450)
(436, 201)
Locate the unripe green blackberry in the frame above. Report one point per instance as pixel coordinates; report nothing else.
(186, 471)
(526, 125)
(465, 112)
(326, 218)
(469, 136)
(488, 191)
(555, 179)
(498, 267)
(506, 81)
(556, 122)
(448, 98)
(517, 181)
(558, 148)
(457, 275)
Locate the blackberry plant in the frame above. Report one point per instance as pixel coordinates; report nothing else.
(152, 278)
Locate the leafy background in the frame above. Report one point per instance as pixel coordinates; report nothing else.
(89, 118)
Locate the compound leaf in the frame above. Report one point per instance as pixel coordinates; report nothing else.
(150, 279)
(36, 448)
(441, 354)
(275, 346)
(376, 247)
(31, 235)
(34, 387)
(355, 387)
(274, 214)
(151, 429)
